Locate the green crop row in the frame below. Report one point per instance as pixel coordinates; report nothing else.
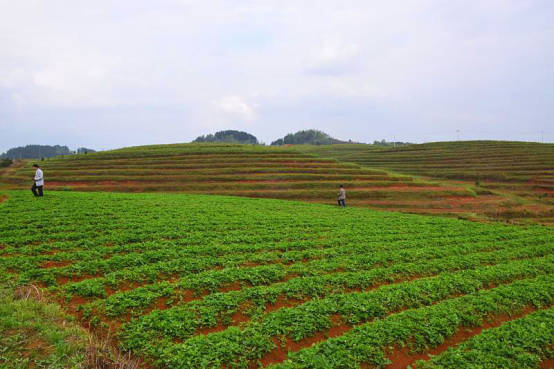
(182, 321)
(420, 328)
(345, 258)
(523, 343)
(217, 308)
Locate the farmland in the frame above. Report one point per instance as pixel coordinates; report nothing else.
(197, 281)
(282, 173)
(520, 172)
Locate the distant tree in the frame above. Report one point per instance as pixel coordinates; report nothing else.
(310, 137)
(393, 143)
(84, 150)
(35, 152)
(230, 136)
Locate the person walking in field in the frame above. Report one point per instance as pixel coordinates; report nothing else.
(342, 196)
(39, 181)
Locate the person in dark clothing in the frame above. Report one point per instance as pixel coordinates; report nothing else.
(342, 196)
(38, 182)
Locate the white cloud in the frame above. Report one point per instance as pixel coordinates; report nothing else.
(335, 57)
(236, 107)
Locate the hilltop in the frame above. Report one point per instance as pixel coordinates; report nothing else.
(229, 136)
(308, 137)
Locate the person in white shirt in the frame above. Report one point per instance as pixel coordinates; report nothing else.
(38, 181)
(342, 196)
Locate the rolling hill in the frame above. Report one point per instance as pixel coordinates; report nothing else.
(518, 191)
(521, 172)
(241, 170)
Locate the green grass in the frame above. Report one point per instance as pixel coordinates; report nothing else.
(198, 281)
(37, 334)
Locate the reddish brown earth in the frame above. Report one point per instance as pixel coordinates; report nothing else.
(283, 302)
(402, 357)
(547, 364)
(286, 345)
(55, 264)
(235, 286)
(3, 198)
(61, 280)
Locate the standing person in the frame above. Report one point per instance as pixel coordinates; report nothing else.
(39, 181)
(342, 196)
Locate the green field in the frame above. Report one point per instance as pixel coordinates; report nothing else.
(522, 173)
(305, 173)
(197, 281)
(499, 161)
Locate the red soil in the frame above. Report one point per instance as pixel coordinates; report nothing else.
(547, 364)
(161, 302)
(61, 280)
(283, 302)
(128, 286)
(236, 319)
(55, 264)
(207, 330)
(3, 198)
(285, 345)
(235, 286)
(402, 357)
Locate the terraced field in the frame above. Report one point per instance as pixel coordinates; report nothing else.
(194, 281)
(521, 172)
(252, 171)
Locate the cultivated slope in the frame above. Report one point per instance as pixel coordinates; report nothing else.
(243, 170)
(521, 172)
(503, 161)
(193, 281)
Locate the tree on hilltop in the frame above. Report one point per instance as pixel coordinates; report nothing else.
(310, 137)
(36, 152)
(231, 136)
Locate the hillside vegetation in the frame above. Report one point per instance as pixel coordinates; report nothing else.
(522, 172)
(246, 170)
(308, 137)
(193, 281)
(504, 161)
(229, 136)
(301, 172)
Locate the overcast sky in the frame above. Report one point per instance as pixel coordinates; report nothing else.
(106, 74)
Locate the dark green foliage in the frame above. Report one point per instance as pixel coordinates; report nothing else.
(390, 143)
(84, 150)
(310, 137)
(36, 152)
(230, 136)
